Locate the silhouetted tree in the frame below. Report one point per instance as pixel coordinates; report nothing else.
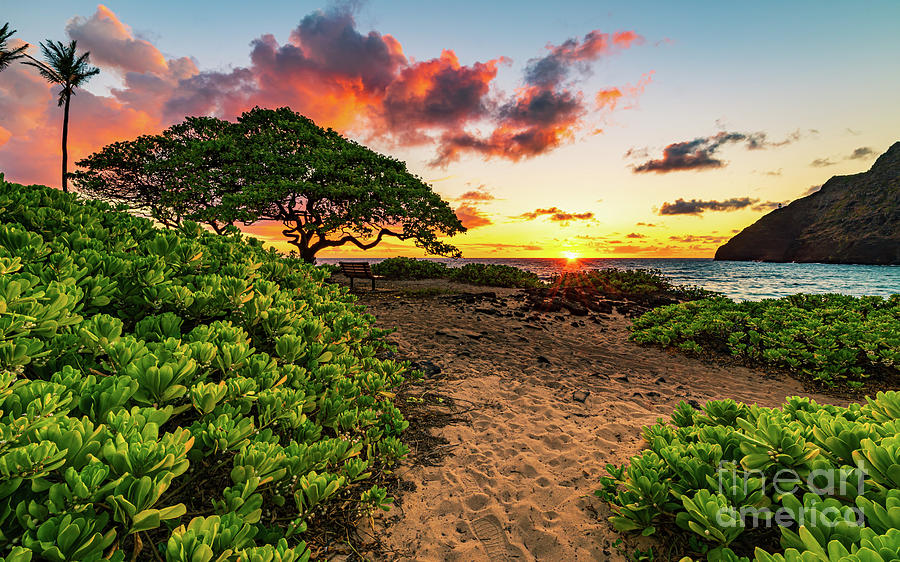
(273, 165)
(63, 66)
(7, 55)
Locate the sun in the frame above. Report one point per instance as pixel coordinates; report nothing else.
(571, 256)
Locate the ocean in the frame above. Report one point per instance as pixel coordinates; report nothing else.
(737, 280)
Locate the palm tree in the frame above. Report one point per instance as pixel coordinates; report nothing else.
(62, 66)
(7, 56)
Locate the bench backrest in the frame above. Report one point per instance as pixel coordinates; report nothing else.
(356, 268)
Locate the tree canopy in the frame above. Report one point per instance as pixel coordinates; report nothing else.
(272, 165)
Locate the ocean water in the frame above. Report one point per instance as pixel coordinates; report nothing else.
(737, 280)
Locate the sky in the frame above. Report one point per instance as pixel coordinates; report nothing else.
(597, 129)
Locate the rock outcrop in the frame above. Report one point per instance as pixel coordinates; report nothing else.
(851, 219)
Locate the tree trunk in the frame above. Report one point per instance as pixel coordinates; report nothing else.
(308, 255)
(297, 238)
(65, 142)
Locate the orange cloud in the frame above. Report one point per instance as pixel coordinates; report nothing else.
(476, 195)
(556, 215)
(472, 217)
(609, 98)
(33, 122)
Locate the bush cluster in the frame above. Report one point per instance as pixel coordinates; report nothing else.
(827, 477)
(472, 273)
(410, 268)
(495, 275)
(177, 394)
(329, 269)
(635, 283)
(836, 339)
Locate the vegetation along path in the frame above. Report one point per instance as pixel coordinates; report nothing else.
(550, 400)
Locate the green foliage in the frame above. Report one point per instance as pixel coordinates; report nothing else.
(836, 339)
(272, 165)
(410, 268)
(494, 275)
(146, 374)
(329, 268)
(826, 475)
(632, 283)
(7, 54)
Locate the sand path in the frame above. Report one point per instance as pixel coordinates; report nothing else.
(553, 400)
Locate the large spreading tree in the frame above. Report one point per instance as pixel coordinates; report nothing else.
(272, 165)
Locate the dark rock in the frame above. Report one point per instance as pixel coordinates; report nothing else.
(426, 366)
(623, 378)
(575, 308)
(851, 219)
(550, 305)
(542, 360)
(694, 404)
(580, 395)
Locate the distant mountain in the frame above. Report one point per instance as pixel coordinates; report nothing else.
(851, 219)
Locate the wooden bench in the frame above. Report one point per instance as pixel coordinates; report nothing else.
(358, 270)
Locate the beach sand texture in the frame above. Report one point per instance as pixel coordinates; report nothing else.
(551, 399)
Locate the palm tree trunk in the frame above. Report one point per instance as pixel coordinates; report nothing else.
(65, 181)
(65, 142)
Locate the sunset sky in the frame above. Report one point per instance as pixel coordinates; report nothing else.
(607, 129)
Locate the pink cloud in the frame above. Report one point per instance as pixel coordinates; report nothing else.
(362, 84)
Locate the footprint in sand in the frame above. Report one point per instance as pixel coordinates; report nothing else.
(493, 537)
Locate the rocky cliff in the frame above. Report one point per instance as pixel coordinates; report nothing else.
(851, 219)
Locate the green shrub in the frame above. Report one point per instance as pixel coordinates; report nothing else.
(836, 339)
(410, 268)
(177, 390)
(494, 275)
(632, 283)
(471, 273)
(826, 475)
(329, 268)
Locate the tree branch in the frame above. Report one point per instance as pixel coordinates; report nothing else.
(348, 239)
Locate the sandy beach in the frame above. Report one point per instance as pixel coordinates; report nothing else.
(547, 401)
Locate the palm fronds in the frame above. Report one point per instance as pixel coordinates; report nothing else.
(8, 55)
